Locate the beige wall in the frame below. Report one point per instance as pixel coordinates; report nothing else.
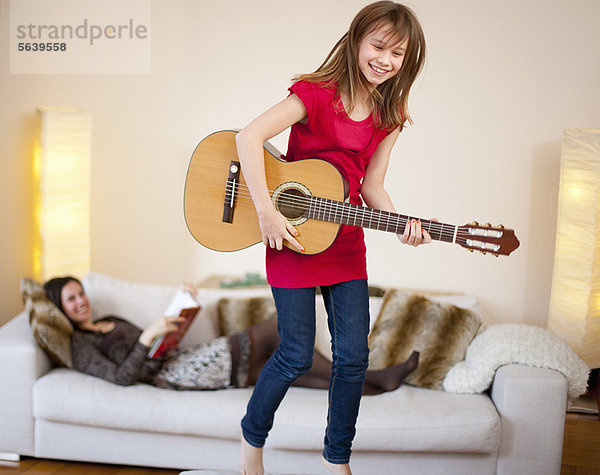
(503, 78)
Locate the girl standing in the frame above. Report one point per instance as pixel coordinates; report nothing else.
(348, 112)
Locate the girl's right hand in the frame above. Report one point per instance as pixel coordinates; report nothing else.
(276, 229)
(160, 327)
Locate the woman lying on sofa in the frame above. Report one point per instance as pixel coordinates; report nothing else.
(116, 350)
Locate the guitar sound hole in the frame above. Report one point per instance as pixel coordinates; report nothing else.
(292, 203)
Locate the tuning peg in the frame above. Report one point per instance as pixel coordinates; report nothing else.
(501, 226)
(488, 225)
(475, 223)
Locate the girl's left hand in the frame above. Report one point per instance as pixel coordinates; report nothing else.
(413, 234)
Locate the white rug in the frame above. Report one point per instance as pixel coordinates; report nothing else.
(514, 343)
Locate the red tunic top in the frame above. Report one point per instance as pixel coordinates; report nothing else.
(328, 134)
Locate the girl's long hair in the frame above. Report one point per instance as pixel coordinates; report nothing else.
(390, 99)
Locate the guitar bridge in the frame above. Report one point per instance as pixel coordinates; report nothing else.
(230, 191)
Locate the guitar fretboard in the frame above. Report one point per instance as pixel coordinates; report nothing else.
(332, 211)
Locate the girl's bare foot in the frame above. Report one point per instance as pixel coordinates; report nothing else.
(251, 462)
(336, 468)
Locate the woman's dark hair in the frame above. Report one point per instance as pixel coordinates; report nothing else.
(53, 289)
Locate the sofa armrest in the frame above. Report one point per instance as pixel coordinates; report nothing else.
(22, 362)
(532, 403)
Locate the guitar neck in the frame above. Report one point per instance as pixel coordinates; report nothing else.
(332, 211)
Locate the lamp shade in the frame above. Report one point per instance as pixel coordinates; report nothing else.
(574, 312)
(61, 170)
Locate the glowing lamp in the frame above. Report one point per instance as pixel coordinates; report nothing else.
(61, 167)
(575, 298)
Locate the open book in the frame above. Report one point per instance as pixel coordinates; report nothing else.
(185, 305)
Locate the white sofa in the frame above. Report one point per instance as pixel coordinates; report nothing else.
(49, 412)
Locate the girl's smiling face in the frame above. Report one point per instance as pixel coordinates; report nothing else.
(380, 57)
(75, 302)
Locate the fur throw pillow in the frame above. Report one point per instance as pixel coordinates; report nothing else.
(238, 313)
(440, 332)
(50, 327)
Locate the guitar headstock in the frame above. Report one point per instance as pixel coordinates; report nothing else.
(487, 239)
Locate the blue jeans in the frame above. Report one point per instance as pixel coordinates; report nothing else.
(347, 306)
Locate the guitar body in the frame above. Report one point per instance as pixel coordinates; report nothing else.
(206, 188)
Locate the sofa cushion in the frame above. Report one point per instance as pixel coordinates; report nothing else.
(408, 419)
(140, 303)
(143, 303)
(410, 321)
(323, 338)
(50, 327)
(236, 313)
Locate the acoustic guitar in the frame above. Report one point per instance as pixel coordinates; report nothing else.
(220, 213)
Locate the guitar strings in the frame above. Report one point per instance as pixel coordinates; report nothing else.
(376, 218)
(327, 207)
(458, 234)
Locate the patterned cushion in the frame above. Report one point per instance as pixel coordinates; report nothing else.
(50, 327)
(238, 313)
(410, 321)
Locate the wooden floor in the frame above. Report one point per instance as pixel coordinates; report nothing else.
(31, 466)
(581, 453)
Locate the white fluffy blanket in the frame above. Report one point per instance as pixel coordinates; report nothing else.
(510, 343)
